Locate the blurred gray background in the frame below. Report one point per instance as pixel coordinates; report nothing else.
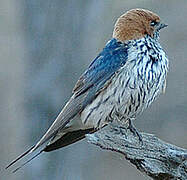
(44, 47)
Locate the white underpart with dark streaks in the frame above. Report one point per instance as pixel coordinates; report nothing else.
(133, 88)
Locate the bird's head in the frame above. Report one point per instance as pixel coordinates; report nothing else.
(136, 24)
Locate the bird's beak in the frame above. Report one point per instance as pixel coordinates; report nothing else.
(161, 26)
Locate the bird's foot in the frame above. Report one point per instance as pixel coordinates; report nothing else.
(118, 129)
(135, 132)
(123, 131)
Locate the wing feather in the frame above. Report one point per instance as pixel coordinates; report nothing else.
(100, 71)
(95, 79)
(71, 109)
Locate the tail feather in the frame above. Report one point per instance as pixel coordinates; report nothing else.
(19, 157)
(27, 161)
(67, 139)
(70, 110)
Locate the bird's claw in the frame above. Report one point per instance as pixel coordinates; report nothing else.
(135, 132)
(123, 131)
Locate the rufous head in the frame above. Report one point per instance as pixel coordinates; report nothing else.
(137, 23)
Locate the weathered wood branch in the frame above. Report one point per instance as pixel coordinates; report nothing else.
(154, 157)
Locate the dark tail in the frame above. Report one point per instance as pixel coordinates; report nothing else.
(67, 139)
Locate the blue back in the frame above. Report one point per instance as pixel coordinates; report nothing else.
(104, 66)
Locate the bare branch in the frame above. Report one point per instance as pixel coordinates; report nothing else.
(156, 158)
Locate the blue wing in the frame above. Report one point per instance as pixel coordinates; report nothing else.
(104, 66)
(97, 76)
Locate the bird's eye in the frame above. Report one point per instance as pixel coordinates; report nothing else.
(153, 23)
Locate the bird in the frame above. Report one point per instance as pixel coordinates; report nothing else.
(123, 80)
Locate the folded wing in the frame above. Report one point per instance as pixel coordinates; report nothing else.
(95, 79)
